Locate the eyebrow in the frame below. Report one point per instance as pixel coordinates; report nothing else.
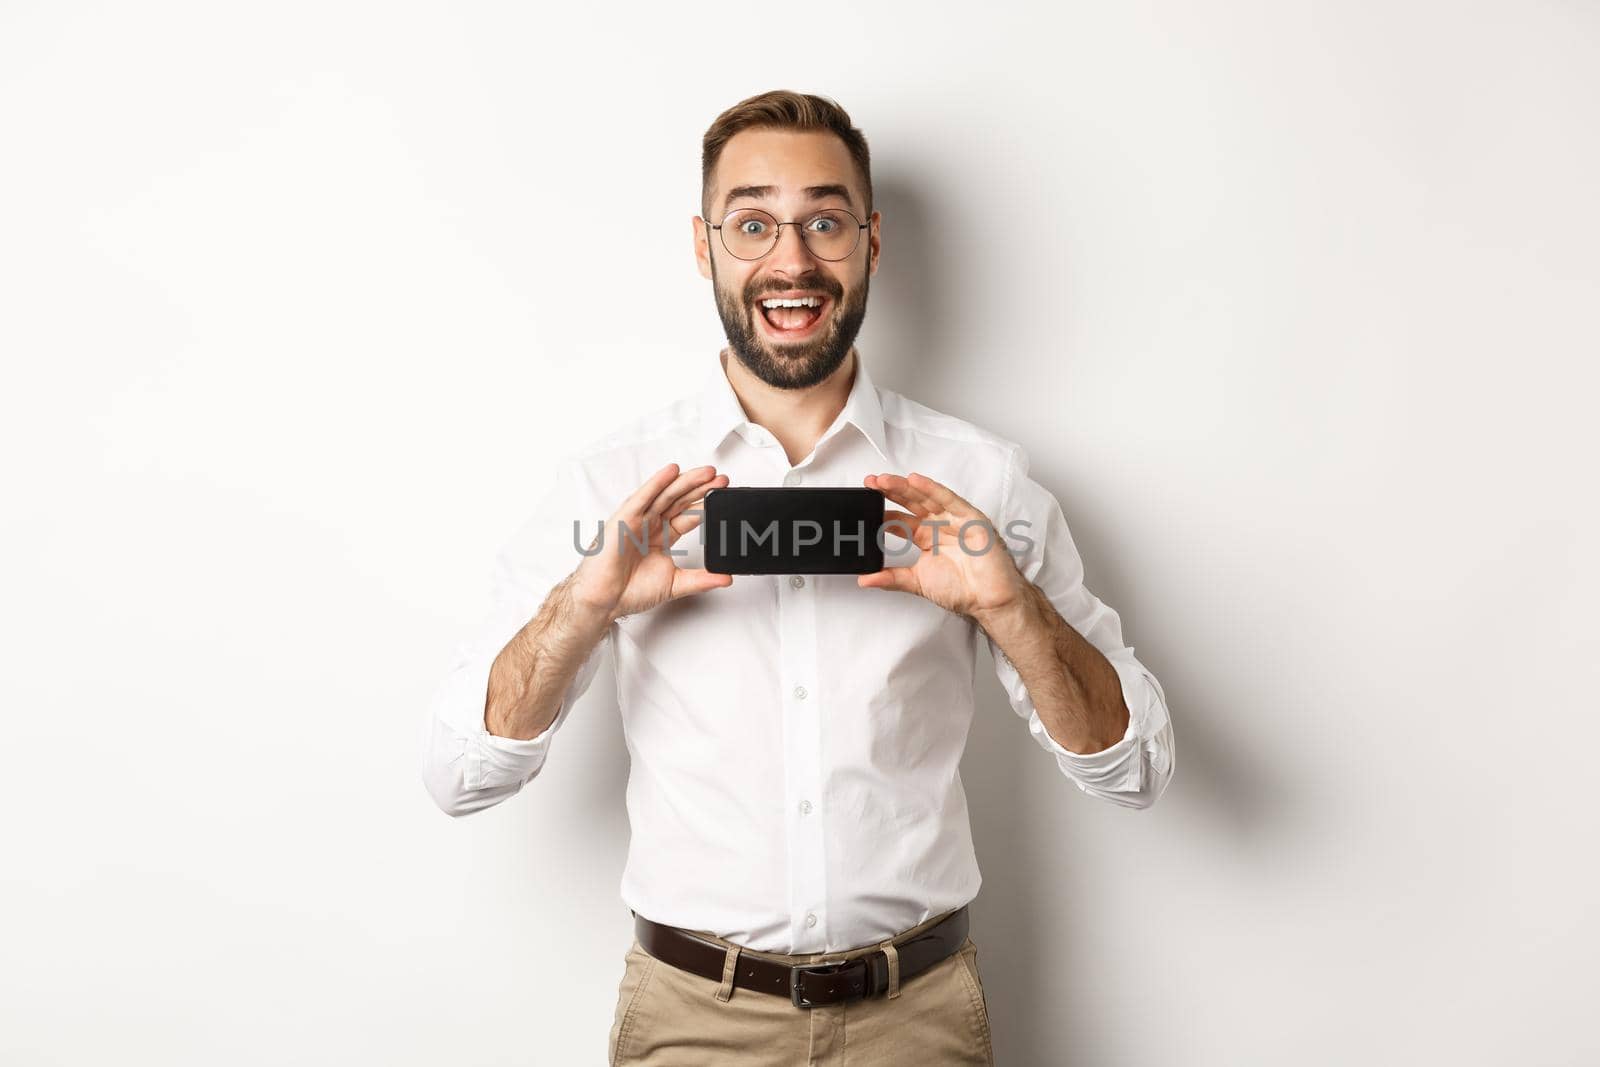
(762, 192)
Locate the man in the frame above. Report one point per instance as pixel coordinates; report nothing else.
(801, 859)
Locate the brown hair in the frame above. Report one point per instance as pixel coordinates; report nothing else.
(784, 110)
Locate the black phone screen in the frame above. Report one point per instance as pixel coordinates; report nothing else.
(792, 530)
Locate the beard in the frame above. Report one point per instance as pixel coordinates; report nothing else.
(802, 364)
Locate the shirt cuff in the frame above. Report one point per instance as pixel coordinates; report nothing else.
(488, 760)
(496, 760)
(1119, 768)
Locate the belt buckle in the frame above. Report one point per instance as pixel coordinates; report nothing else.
(820, 970)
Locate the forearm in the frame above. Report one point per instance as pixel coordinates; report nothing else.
(534, 669)
(1074, 687)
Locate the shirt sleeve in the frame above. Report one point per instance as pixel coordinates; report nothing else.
(464, 767)
(1135, 771)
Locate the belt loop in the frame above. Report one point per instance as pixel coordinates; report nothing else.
(730, 964)
(894, 967)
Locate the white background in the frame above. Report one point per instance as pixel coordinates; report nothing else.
(1293, 305)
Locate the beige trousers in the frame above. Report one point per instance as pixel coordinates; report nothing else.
(667, 1017)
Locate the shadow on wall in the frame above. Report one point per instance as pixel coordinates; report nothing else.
(1019, 803)
(905, 338)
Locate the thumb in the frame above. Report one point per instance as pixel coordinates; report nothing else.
(898, 578)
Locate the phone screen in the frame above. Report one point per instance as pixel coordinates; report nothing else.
(793, 530)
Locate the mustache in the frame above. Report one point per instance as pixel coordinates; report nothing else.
(829, 288)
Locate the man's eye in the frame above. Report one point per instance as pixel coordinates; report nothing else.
(824, 224)
(752, 226)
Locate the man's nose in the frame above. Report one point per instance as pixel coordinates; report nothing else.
(791, 256)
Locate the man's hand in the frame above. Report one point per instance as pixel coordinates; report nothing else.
(1074, 687)
(971, 573)
(619, 579)
(534, 669)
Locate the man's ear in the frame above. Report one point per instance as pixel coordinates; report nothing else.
(873, 243)
(702, 249)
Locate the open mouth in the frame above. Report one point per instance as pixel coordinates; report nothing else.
(792, 318)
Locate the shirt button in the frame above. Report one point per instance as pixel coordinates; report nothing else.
(798, 581)
(805, 807)
(811, 919)
(792, 478)
(799, 692)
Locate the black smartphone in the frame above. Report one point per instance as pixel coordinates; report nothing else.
(792, 530)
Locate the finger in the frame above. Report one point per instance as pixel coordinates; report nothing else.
(682, 524)
(897, 578)
(719, 482)
(942, 496)
(915, 529)
(919, 500)
(641, 497)
(679, 489)
(691, 580)
(896, 489)
(691, 513)
(901, 524)
(924, 499)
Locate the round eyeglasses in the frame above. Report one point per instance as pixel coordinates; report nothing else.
(750, 233)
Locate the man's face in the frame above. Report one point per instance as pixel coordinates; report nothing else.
(787, 174)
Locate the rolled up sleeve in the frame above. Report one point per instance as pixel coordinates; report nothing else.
(464, 767)
(1135, 771)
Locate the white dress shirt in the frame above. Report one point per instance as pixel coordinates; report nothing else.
(795, 739)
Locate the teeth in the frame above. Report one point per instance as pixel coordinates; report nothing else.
(799, 302)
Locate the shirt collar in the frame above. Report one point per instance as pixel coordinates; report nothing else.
(721, 412)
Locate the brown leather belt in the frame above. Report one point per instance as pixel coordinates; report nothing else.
(805, 985)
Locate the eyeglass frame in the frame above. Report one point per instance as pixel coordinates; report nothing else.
(779, 235)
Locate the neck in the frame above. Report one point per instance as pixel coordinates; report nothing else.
(796, 417)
